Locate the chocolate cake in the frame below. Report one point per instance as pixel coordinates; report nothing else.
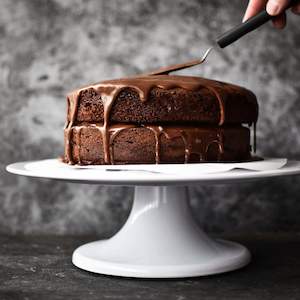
(159, 119)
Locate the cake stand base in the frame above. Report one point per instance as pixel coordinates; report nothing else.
(160, 240)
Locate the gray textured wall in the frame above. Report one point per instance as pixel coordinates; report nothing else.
(50, 47)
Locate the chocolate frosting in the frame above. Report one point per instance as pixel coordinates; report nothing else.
(143, 84)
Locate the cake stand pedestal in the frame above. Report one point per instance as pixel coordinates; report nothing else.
(160, 238)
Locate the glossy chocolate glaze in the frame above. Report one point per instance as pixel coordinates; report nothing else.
(143, 84)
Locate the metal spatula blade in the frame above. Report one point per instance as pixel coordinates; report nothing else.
(177, 67)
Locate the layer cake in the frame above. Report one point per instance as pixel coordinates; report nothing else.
(159, 119)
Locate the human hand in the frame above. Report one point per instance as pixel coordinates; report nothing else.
(274, 8)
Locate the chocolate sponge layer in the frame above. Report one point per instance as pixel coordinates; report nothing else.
(164, 99)
(169, 106)
(137, 145)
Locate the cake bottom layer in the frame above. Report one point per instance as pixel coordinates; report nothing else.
(134, 144)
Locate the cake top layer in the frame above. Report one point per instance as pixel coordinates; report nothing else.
(163, 98)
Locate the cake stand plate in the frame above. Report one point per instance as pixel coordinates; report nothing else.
(160, 239)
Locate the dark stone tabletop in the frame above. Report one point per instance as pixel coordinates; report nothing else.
(39, 267)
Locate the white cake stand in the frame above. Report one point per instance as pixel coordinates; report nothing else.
(160, 238)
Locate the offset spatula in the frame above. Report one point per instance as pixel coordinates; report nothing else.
(224, 40)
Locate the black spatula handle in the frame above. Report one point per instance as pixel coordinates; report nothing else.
(234, 34)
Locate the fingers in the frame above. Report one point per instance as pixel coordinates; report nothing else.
(276, 7)
(279, 22)
(254, 7)
(296, 9)
(273, 7)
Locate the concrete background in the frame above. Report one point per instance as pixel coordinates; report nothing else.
(48, 47)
